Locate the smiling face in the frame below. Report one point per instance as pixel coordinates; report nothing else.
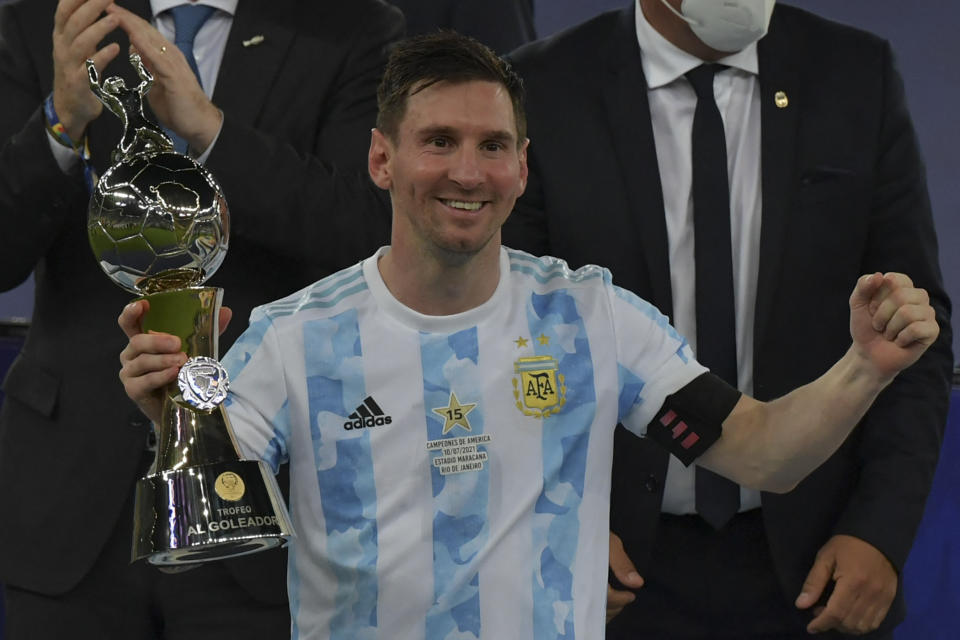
(454, 169)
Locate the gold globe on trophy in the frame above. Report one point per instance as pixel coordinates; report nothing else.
(158, 225)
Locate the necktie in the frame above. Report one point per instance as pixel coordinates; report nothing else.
(717, 498)
(187, 20)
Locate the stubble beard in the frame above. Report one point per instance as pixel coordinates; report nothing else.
(455, 256)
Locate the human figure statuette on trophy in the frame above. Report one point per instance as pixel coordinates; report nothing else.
(158, 226)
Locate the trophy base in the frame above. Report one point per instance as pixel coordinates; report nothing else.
(208, 512)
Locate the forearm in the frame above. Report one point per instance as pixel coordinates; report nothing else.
(887, 505)
(896, 454)
(36, 196)
(772, 446)
(35, 199)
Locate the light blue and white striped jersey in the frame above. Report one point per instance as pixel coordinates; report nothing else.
(450, 476)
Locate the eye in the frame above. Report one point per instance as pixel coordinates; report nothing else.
(492, 146)
(439, 142)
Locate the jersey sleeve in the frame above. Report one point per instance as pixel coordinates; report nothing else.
(257, 404)
(653, 360)
(665, 394)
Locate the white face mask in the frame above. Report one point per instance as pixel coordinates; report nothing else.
(726, 25)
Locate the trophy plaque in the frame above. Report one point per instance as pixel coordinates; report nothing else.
(158, 225)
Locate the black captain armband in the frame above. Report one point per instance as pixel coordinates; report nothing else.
(690, 420)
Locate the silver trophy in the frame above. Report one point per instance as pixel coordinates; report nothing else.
(158, 225)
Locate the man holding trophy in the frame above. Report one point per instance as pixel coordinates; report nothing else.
(285, 91)
(502, 376)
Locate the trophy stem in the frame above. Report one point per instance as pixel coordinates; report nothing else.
(190, 314)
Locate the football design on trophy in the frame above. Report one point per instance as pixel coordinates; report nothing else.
(158, 226)
(157, 219)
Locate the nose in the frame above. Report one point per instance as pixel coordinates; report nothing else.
(465, 170)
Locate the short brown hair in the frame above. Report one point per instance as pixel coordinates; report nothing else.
(445, 56)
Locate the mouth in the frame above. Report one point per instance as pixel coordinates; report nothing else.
(463, 205)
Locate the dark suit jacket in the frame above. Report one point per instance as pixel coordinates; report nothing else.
(844, 193)
(502, 25)
(70, 440)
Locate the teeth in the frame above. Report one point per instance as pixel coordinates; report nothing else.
(461, 204)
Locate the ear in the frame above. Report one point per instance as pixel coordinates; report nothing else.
(379, 159)
(524, 169)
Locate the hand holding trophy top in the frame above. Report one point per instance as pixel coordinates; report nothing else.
(158, 225)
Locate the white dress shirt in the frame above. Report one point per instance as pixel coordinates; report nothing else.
(672, 104)
(211, 40)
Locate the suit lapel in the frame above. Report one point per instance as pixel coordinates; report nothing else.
(256, 48)
(778, 161)
(625, 97)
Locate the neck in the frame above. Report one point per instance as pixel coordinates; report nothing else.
(676, 31)
(441, 285)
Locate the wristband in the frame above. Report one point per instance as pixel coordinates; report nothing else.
(59, 133)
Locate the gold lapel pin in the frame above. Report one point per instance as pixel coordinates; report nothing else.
(254, 41)
(780, 99)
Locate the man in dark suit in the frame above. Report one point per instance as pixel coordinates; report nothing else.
(294, 91)
(830, 185)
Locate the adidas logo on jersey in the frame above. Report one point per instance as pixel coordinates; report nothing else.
(368, 414)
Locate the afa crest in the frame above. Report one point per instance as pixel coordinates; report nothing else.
(540, 390)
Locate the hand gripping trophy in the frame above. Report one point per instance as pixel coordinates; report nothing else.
(158, 225)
